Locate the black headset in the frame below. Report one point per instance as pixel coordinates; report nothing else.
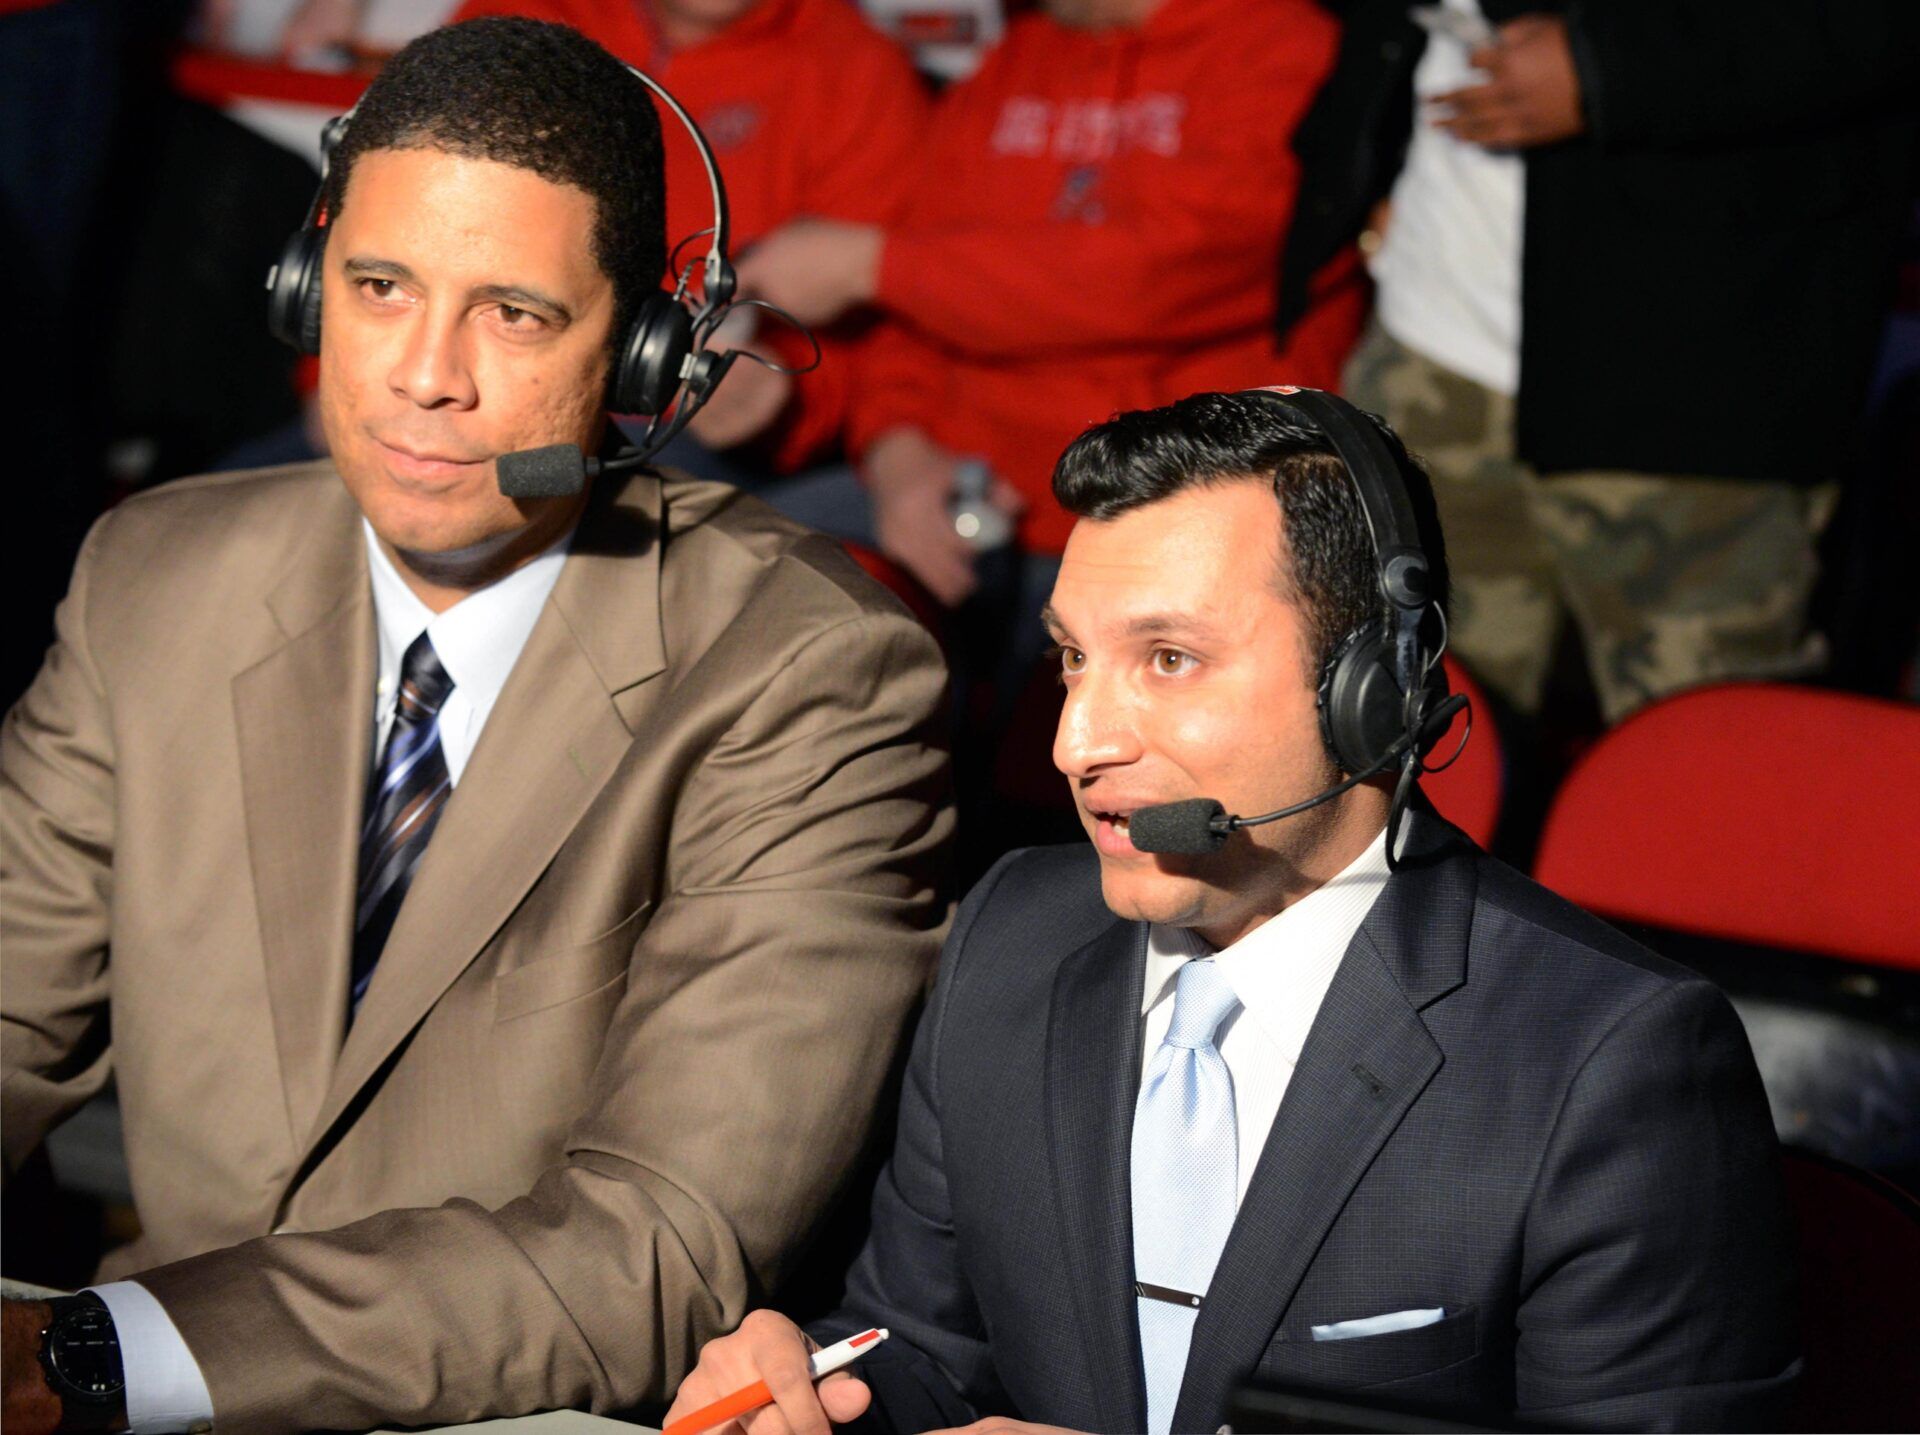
(661, 358)
(1383, 683)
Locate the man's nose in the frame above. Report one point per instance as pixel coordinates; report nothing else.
(433, 369)
(1098, 728)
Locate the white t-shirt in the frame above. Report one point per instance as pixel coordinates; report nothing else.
(1449, 269)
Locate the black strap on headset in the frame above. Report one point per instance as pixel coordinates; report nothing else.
(1405, 579)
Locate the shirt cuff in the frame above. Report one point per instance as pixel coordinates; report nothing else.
(166, 1394)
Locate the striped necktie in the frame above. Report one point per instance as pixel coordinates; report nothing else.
(1185, 1181)
(403, 804)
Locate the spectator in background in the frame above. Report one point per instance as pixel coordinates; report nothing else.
(1631, 279)
(1090, 227)
(810, 111)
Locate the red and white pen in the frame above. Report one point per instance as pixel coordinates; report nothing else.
(820, 1364)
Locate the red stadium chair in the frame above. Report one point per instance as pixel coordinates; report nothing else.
(1467, 791)
(1752, 813)
(1859, 1251)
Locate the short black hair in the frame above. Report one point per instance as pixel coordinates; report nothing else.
(1327, 560)
(541, 97)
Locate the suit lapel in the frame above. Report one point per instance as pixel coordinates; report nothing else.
(562, 724)
(1365, 1062)
(303, 762)
(1092, 1083)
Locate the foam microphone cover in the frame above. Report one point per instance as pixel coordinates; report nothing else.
(1179, 827)
(557, 471)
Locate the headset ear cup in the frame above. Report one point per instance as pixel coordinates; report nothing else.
(1360, 707)
(293, 292)
(646, 373)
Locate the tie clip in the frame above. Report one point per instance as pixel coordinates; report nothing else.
(1167, 1294)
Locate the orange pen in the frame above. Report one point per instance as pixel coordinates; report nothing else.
(820, 1364)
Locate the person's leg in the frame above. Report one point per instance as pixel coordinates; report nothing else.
(1679, 581)
(1506, 610)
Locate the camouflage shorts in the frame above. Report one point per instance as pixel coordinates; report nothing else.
(1672, 580)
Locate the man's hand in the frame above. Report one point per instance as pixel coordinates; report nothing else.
(815, 269)
(772, 1348)
(1532, 93)
(30, 1407)
(745, 405)
(320, 25)
(912, 480)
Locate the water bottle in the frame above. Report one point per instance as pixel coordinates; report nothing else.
(975, 516)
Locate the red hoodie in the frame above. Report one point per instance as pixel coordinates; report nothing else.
(810, 111)
(1095, 225)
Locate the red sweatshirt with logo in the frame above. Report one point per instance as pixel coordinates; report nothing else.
(1094, 225)
(809, 110)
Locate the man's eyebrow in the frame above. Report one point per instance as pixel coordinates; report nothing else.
(521, 297)
(367, 266)
(1050, 620)
(1155, 625)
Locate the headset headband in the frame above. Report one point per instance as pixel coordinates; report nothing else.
(1404, 578)
(719, 272)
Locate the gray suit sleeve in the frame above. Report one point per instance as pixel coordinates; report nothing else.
(936, 1369)
(1657, 1278)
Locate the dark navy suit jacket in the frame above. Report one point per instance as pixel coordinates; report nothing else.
(1505, 1108)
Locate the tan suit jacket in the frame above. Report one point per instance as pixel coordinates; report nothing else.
(633, 1020)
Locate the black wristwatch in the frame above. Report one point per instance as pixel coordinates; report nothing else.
(80, 1353)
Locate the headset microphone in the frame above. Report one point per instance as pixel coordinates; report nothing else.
(1201, 825)
(561, 470)
(556, 471)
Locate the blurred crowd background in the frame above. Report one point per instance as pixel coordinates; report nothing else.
(1639, 282)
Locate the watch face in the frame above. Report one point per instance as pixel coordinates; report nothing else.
(83, 1348)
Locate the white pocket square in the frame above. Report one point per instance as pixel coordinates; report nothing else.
(1378, 1324)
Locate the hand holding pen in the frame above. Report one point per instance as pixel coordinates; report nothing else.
(761, 1380)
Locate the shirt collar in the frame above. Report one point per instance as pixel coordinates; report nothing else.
(1282, 968)
(479, 638)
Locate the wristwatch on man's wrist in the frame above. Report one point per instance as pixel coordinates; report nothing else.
(80, 1352)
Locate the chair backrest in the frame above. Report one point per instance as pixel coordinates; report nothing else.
(1754, 812)
(1468, 791)
(1859, 1251)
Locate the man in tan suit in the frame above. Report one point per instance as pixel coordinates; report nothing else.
(578, 1108)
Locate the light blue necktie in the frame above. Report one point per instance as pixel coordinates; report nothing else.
(1185, 1181)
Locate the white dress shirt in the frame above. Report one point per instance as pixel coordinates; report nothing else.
(1448, 270)
(478, 639)
(1280, 971)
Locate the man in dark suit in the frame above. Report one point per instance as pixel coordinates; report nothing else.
(1289, 1112)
